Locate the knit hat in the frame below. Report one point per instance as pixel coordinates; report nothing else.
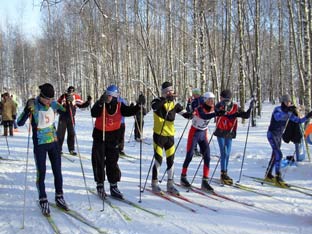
(285, 98)
(166, 87)
(112, 90)
(208, 95)
(71, 89)
(46, 90)
(226, 94)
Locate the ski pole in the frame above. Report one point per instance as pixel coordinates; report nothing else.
(7, 143)
(175, 150)
(104, 116)
(26, 171)
(141, 135)
(82, 170)
(241, 169)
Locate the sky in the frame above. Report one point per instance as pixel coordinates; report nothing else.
(279, 211)
(25, 13)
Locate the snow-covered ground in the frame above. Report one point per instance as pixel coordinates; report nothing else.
(284, 212)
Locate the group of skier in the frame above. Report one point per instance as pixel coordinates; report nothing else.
(108, 112)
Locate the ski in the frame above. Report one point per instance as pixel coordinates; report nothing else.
(76, 156)
(225, 197)
(190, 201)
(117, 209)
(51, 222)
(198, 192)
(124, 155)
(128, 202)
(243, 187)
(168, 198)
(8, 159)
(76, 215)
(68, 158)
(262, 181)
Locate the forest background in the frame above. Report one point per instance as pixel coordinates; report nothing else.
(251, 47)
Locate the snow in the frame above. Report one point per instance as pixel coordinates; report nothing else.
(285, 212)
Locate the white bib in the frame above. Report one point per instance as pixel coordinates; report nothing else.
(46, 118)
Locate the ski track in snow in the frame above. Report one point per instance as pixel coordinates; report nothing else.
(286, 212)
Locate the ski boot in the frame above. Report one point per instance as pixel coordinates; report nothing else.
(184, 182)
(155, 186)
(114, 191)
(269, 178)
(101, 191)
(225, 179)
(44, 205)
(205, 186)
(60, 202)
(171, 189)
(73, 152)
(278, 180)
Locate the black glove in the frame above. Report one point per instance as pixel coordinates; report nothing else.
(292, 109)
(89, 98)
(309, 115)
(30, 105)
(69, 98)
(220, 112)
(103, 98)
(170, 98)
(187, 115)
(14, 117)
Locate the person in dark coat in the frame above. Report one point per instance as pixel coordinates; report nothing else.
(69, 100)
(108, 112)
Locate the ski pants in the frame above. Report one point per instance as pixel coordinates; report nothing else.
(160, 143)
(225, 146)
(105, 155)
(197, 136)
(40, 152)
(277, 154)
(64, 123)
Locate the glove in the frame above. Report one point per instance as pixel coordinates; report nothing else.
(252, 104)
(309, 115)
(170, 98)
(69, 98)
(14, 117)
(89, 98)
(103, 98)
(220, 112)
(30, 105)
(292, 109)
(188, 115)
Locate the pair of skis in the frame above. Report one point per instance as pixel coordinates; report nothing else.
(74, 214)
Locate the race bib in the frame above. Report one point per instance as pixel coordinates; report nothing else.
(46, 118)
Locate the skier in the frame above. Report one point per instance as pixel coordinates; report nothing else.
(41, 112)
(70, 100)
(139, 118)
(8, 114)
(108, 112)
(165, 110)
(198, 135)
(195, 101)
(226, 127)
(279, 120)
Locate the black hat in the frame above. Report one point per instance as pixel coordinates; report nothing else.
(71, 89)
(226, 94)
(166, 87)
(46, 90)
(141, 99)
